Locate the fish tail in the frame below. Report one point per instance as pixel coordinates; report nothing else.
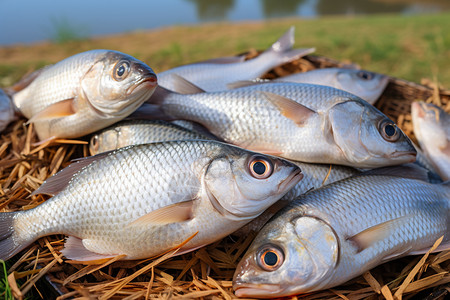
(9, 246)
(282, 48)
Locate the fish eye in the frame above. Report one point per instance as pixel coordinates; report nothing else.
(260, 167)
(270, 258)
(389, 131)
(94, 142)
(365, 75)
(121, 70)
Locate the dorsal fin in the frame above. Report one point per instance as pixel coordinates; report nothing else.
(183, 86)
(285, 42)
(55, 184)
(244, 83)
(297, 112)
(410, 171)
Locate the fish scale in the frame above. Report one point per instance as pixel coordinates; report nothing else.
(104, 201)
(315, 131)
(404, 216)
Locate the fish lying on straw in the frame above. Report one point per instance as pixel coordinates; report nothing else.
(214, 75)
(127, 133)
(7, 112)
(303, 122)
(432, 129)
(364, 84)
(83, 93)
(340, 231)
(141, 201)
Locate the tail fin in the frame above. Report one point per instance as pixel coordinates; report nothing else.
(283, 48)
(8, 246)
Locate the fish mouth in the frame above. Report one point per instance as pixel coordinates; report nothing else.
(148, 81)
(403, 155)
(290, 181)
(257, 290)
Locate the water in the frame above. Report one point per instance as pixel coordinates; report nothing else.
(27, 21)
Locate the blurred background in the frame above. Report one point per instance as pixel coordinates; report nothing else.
(403, 38)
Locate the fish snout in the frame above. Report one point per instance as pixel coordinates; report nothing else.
(146, 78)
(260, 290)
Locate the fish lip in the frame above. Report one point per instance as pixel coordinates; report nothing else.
(291, 180)
(148, 80)
(404, 154)
(257, 290)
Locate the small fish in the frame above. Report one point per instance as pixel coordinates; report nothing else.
(302, 122)
(127, 133)
(364, 84)
(342, 230)
(7, 110)
(214, 75)
(143, 200)
(83, 93)
(432, 129)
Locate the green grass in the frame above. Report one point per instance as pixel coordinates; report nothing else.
(409, 47)
(5, 290)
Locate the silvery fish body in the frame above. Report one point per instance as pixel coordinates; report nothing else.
(340, 231)
(214, 75)
(143, 200)
(7, 112)
(303, 122)
(84, 93)
(432, 129)
(314, 177)
(127, 133)
(364, 84)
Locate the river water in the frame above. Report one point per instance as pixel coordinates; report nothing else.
(27, 21)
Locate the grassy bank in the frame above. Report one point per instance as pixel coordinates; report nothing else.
(409, 47)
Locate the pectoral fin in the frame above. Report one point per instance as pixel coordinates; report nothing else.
(60, 109)
(174, 213)
(298, 113)
(371, 235)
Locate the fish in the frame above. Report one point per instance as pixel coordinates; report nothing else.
(431, 126)
(127, 133)
(338, 232)
(314, 177)
(143, 200)
(362, 83)
(214, 74)
(7, 110)
(301, 122)
(83, 93)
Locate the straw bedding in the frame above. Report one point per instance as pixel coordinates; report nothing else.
(205, 273)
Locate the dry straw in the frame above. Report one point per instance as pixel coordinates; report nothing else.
(205, 273)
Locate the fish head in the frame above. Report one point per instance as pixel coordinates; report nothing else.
(105, 140)
(367, 137)
(430, 124)
(243, 184)
(367, 85)
(292, 254)
(117, 84)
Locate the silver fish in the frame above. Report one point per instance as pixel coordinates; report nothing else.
(143, 200)
(84, 93)
(432, 129)
(302, 122)
(214, 75)
(340, 231)
(127, 133)
(7, 110)
(364, 84)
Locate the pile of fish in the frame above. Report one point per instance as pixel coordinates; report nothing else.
(207, 149)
